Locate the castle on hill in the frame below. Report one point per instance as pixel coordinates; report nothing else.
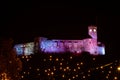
(45, 45)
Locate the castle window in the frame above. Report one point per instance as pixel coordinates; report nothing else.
(94, 30)
(90, 30)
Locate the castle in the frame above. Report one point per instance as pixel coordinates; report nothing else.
(45, 45)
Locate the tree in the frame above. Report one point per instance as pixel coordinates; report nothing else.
(10, 64)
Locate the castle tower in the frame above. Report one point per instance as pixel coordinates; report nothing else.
(92, 31)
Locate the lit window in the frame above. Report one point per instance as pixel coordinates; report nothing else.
(94, 30)
(90, 30)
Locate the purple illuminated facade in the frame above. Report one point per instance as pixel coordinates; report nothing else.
(74, 46)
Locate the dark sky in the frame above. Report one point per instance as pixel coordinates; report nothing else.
(23, 21)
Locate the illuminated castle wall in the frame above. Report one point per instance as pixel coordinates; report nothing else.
(45, 45)
(25, 49)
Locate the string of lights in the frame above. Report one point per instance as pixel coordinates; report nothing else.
(70, 67)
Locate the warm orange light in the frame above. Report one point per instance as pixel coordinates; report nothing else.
(63, 75)
(73, 77)
(81, 63)
(109, 71)
(64, 69)
(45, 70)
(60, 68)
(57, 59)
(118, 68)
(38, 69)
(50, 56)
(78, 67)
(52, 73)
(50, 59)
(107, 77)
(67, 67)
(70, 57)
(115, 78)
(77, 64)
(110, 67)
(76, 75)
(60, 63)
(101, 67)
(74, 69)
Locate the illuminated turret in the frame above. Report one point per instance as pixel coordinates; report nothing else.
(92, 31)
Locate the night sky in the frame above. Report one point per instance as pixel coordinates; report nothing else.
(23, 21)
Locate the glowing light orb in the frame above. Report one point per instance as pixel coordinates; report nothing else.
(118, 68)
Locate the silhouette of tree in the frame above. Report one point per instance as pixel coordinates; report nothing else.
(10, 64)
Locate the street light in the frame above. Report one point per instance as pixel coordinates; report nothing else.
(118, 68)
